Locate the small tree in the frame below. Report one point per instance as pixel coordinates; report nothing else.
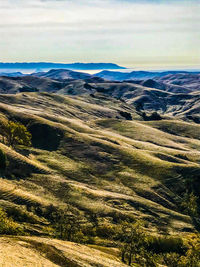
(189, 204)
(134, 245)
(15, 133)
(67, 226)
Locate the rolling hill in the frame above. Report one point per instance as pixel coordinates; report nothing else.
(97, 158)
(62, 74)
(189, 80)
(146, 95)
(111, 169)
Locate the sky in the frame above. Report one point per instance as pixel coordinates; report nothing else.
(131, 33)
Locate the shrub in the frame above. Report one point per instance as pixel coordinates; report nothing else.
(171, 259)
(7, 225)
(152, 117)
(192, 258)
(126, 115)
(105, 230)
(189, 204)
(165, 244)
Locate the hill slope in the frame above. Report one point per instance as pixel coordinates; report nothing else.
(97, 161)
(146, 95)
(113, 167)
(34, 251)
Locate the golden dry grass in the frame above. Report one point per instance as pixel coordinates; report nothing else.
(39, 252)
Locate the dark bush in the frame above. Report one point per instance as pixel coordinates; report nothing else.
(3, 160)
(152, 117)
(126, 115)
(28, 89)
(166, 244)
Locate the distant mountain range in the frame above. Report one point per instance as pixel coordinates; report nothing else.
(11, 74)
(62, 74)
(136, 75)
(42, 66)
(169, 93)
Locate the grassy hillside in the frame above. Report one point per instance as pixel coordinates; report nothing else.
(167, 97)
(88, 160)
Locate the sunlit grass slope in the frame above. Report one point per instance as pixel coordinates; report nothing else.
(34, 251)
(87, 155)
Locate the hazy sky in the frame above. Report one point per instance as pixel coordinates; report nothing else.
(128, 32)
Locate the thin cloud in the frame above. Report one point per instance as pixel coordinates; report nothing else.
(98, 29)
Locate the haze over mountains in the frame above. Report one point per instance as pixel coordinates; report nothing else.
(45, 66)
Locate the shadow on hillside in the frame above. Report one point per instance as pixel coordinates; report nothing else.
(45, 136)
